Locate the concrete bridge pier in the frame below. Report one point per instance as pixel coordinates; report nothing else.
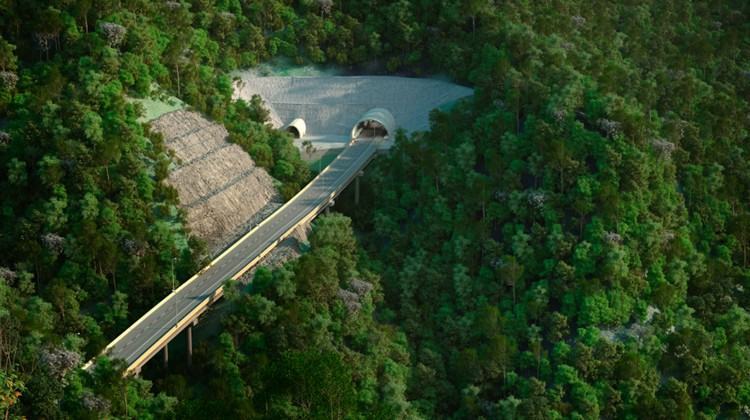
(166, 355)
(328, 207)
(190, 344)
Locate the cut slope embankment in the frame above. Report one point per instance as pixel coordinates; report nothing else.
(221, 189)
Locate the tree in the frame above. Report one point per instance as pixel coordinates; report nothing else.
(475, 8)
(8, 61)
(11, 391)
(114, 34)
(325, 7)
(309, 148)
(511, 272)
(318, 384)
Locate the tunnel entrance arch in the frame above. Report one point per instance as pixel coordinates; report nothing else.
(297, 128)
(377, 122)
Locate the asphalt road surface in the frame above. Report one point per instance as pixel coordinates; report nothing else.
(152, 326)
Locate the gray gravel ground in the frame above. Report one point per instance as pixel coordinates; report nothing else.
(331, 105)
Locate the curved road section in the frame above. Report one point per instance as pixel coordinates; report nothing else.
(157, 327)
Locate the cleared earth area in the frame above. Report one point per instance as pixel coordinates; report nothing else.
(331, 105)
(222, 190)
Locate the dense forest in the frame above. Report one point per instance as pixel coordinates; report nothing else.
(571, 242)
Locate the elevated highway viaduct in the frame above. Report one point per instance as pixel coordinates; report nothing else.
(181, 308)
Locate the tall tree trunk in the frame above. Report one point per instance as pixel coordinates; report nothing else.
(125, 394)
(177, 66)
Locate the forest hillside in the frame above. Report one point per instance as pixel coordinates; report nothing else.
(571, 242)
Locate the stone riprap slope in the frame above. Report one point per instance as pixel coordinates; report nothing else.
(222, 190)
(331, 105)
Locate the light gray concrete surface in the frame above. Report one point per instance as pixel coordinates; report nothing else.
(331, 105)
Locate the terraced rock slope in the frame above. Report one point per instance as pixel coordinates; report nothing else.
(222, 190)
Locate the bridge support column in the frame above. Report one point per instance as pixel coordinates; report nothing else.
(328, 208)
(166, 356)
(190, 345)
(356, 188)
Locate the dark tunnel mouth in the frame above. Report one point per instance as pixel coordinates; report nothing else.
(293, 130)
(371, 128)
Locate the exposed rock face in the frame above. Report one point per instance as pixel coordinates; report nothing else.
(222, 190)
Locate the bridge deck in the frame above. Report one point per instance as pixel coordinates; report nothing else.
(157, 327)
